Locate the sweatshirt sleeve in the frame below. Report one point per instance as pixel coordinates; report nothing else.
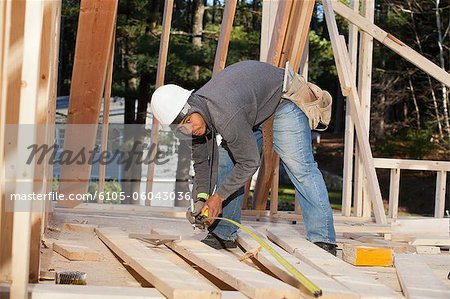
(241, 142)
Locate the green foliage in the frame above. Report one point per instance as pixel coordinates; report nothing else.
(407, 143)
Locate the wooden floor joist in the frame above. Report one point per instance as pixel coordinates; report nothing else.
(417, 279)
(355, 280)
(330, 287)
(169, 278)
(242, 277)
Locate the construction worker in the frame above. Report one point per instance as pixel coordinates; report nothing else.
(234, 104)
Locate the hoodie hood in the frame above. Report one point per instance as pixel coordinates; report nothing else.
(199, 105)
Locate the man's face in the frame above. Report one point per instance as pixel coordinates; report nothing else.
(194, 124)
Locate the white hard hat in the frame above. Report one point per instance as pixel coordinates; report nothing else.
(168, 101)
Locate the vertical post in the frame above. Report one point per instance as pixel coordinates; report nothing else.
(225, 33)
(349, 88)
(274, 189)
(362, 196)
(394, 189)
(105, 121)
(349, 136)
(94, 35)
(441, 182)
(11, 76)
(25, 173)
(160, 73)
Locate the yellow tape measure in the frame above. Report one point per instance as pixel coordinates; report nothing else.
(308, 284)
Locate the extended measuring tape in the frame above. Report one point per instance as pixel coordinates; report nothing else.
(308, 284)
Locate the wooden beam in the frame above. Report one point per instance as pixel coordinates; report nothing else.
(427, 165)
(94, 35)
(349, 136)
(29, 98)
(330, 287)
(394, 189)
(11, 76)
(224, 38)
(242, 277)
(169, 278)
(105, 120)
(42, 106)
(438, 241)
(361, 194)
(343, 66)
(408, 229)
(353, 279)
(393, 43)
(417, 279)
(160, 74)
(441, 183)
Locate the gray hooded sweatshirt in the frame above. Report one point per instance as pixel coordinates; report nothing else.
(233, 104)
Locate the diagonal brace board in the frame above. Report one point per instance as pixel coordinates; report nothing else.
(391, 42)
(349, 88)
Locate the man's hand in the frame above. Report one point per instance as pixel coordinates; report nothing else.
(214, 207)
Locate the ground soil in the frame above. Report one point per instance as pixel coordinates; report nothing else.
(417, 188)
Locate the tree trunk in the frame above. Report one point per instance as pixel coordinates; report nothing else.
(197, 30)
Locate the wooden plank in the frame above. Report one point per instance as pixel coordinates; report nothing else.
(438, 241)
(366, 255)
(342, 63)
(105, 120)
(355, 280)
(80, 228)
(362, 228)
(428, 250)
(330, 287)
(41, 169)
(269, 13)
(441, 183)
(11, 76)
(169, 278)
(394, 189)
(29, 98)
(393, 43)
(75, 252)
(52, 102)
(274, 188)
(56, 291)
(94, 35)
(246, 279)
(364, 90)
(224, 38)
(160, 74)
(427, 165)
(408, 229)
(417, 279)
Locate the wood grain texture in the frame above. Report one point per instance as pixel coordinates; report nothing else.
(94, 35)
(169, 278)
(330, 287)
(366, 255)
(356, 281)
(247, 280)
(417, 279)
(75, 252)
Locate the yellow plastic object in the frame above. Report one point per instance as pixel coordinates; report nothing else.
(308, 284)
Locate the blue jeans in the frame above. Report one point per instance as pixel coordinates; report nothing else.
(292, 142)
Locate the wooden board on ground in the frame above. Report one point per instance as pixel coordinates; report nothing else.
(355, 280)
(439, 241)
(428, 250)
(80, 228)
(362, 228)
(409, 229)
(58, 291)
(76, 252)
(366, 255)
(417, 279)
(169, 278)
(330, 287)
(249, 281)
